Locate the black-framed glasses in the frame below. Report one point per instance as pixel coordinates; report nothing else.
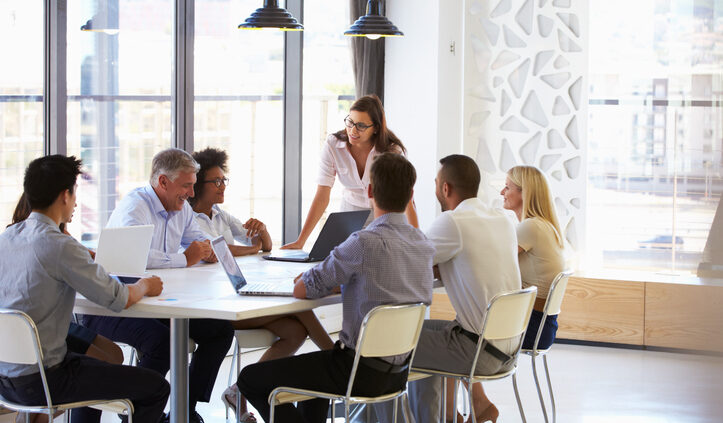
(218, 182)
(361, 127)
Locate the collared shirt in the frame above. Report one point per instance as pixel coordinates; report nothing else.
(389, 262)
(477, 258)
(223, 223)
(42, 269)
(336, 160)
(172, 230)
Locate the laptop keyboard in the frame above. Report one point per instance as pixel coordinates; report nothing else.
(267, 287)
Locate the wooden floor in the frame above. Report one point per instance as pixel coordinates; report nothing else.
(592, 384)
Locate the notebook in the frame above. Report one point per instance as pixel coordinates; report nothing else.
(282, 288)
(336, 230)
(123, 251)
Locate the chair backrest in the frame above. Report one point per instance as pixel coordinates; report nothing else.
(508, 314)
(24, 347)
(557, 293)
(391, 330)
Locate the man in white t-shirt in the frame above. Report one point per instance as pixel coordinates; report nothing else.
(477, 259)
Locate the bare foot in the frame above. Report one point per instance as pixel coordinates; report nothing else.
(491, 413)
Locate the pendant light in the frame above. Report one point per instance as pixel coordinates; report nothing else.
(272, 16)
(373, 25)
(105, 20)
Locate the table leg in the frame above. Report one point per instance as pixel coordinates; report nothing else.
(179, 370)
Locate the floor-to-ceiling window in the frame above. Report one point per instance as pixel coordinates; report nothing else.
(238, 107)
(655, 140)
(119, 81)
(328, 91)
(21, 96)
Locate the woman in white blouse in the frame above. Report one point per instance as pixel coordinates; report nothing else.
(291, 329)
(540, 243)
(348, 155)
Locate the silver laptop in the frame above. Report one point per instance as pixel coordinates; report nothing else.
(123, 251)
(279, 288)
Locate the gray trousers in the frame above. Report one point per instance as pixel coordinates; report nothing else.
(441, 347)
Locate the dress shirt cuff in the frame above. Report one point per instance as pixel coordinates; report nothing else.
(178, 260)
(314, 287)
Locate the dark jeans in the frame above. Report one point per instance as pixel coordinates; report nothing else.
(151, 338)
(549, 330)
(81, 378)
(326, 371)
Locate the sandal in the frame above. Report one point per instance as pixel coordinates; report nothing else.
(229, 398)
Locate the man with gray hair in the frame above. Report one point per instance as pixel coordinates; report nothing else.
(162, 203)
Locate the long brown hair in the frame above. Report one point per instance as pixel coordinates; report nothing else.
(383, 138)
(22, 211)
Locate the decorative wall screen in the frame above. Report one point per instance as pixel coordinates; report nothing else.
(525, 100)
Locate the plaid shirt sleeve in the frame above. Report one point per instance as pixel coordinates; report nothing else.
(343, 264)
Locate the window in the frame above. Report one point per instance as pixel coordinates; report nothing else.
(119, 101)
(21, 97)
(328, 92)
(655, 161)
(238, 107)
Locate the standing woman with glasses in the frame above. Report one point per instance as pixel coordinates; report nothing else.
(348, 154)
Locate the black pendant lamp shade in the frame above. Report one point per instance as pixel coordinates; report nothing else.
(272, 16)
(373, 25)
(105, 20)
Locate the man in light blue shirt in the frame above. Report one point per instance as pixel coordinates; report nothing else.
(163, 204)
(42, 269)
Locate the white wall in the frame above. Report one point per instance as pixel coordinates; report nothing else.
(423, 88)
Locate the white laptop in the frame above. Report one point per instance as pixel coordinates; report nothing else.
(123, 251)
(279, 288)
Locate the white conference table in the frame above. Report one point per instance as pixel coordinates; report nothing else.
(204, 291)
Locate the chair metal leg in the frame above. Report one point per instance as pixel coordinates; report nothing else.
(444, 398)
(539, 388)
(333, 410)
(549, 385)
(454, 402)
(517, 397)
(273, 408)
(395, 410)
(406, 408)
(472, 414)
(346, 412)
(233, 362)
(66, 416)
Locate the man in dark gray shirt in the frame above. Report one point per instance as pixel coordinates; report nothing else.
(42, 269)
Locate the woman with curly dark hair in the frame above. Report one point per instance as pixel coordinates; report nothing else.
(210, 189)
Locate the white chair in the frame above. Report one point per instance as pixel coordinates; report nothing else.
(246, 338)
(26, 349)
(507, 317)
(552, 308)
(386, 331)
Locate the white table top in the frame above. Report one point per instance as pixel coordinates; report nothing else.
(204, 291)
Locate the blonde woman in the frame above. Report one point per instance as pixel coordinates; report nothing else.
(540, 242)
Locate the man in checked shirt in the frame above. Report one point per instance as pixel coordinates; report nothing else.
(389, 262)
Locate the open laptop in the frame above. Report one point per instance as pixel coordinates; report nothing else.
(123, 251)
(336, 230)
(280, 288)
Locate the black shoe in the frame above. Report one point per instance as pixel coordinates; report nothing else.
(193, 417)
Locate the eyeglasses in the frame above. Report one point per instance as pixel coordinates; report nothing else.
(361, 127)
(217, 182)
